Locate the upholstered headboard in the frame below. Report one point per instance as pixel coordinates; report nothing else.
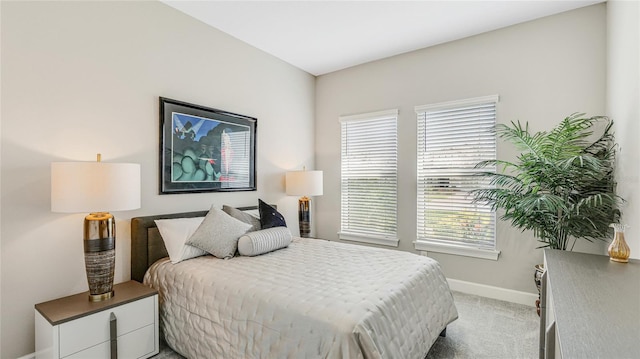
(147, 245)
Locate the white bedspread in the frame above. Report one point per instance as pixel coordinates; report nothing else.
(314, 299)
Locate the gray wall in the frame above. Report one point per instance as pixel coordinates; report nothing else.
(80, 78)
(543, 71)
(623, 105)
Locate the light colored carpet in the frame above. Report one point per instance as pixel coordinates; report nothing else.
(489, 328)
(485, 328)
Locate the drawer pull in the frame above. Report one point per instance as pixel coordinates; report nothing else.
(113, 335)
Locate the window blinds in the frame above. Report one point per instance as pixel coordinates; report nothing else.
(369, 177)
(452, 138)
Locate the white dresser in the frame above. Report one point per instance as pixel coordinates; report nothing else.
(125, 326)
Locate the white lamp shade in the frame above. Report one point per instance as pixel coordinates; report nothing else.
(304, 183)
(94, 187)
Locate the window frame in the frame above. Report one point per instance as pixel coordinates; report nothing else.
(423, 243)
(386, 239)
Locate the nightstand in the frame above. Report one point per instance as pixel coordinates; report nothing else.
(74, 327)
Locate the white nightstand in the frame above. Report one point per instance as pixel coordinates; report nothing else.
(74, 327)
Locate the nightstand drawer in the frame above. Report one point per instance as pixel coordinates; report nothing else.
(89, 331)
(137, 344)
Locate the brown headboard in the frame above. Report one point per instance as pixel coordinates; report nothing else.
(147, 245)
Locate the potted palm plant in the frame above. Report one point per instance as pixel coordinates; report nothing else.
(562, 184)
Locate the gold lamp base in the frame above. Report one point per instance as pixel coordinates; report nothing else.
(100, 254)
(101, 297)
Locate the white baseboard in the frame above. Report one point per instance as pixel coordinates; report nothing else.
(28, 356)
(483, 290)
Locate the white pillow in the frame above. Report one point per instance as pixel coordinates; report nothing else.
(263, 241)
(218, 234)
(175, 232)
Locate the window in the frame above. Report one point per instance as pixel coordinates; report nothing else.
(452, 138)
(369, 178)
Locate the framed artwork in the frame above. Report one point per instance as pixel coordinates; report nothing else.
(205, 150)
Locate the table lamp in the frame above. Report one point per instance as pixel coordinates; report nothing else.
(304, 183)
(96, 187)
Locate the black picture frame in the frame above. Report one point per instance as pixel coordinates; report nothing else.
(204, 149)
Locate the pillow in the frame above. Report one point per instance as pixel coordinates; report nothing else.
(244, 217)
(252, 212)
(263, 241)
(175, 232)
(269, 216)
(218, 234)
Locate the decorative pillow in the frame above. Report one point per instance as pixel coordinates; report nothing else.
(253, 212)
(218, 234)
(175, 232)
(243, 216)
(263, 241)
(269, 216)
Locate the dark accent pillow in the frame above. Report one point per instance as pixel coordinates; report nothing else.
(269, 216)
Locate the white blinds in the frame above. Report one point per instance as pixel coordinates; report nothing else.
(369, 177)
(452, 138)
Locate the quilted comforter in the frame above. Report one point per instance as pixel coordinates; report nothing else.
(313, 299)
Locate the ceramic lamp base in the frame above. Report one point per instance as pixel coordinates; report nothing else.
(100, 254)
(304, 221)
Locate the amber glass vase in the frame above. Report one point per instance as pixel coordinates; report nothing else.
(618, 249)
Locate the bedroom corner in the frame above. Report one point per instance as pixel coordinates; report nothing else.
(525, 64)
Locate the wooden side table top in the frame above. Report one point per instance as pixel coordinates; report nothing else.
(75, 306)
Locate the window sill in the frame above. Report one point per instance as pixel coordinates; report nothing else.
(489, 254)
(385, 241)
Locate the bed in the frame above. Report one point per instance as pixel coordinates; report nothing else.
(312, 299)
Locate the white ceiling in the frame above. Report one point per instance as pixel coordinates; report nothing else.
(324, 36)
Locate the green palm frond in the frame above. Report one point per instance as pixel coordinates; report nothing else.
(562, 185)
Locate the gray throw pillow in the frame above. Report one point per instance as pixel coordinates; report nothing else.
(218, 234)
(244, 217)
(263, 241)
